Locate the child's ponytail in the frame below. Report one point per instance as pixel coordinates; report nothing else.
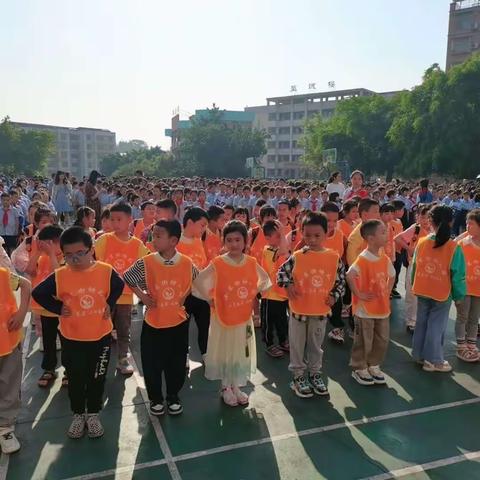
(441, 217)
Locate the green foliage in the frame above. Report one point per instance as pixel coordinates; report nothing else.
(130, 145)
(216, 149)
(24, 152)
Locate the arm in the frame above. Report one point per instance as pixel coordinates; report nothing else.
(264, 283)
(45, 295)
(457, 272)
(352, 276)
(338, 290)
(116, 289)
(16, 320)
(135, 278)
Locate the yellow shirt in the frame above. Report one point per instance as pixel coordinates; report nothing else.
(356, 245)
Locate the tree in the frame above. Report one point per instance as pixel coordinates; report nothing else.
(217, 149)
(24, 152)
(130, 145)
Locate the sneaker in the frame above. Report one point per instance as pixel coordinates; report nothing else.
(94, 426)
(242, 397)
(395, 294)
(444, 367)
(317, 384)
(377, 375)
(77, 427)
(174, 406)
(58, 344)
(275, 351)
(301, 387)
(114, 335)
(157, 409)
(467, 354)
(337, 335)
(123, 365)
(8, 441)
(229, 397)
(363, 377)
(284, 346)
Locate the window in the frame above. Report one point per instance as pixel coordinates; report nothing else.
(461, 45)
(284, 144)
(327, 113)
(297, 130)
(270, 172)
(272, 130)
(271, 144)
(284, 130)
(272, 117)
(312, 113)
(464, 23)
(298, 115)
(271, 158)
(284, 116)
(294, 144)
(296, 158)
(283, 158)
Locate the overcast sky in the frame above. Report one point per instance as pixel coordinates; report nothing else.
(125, 65)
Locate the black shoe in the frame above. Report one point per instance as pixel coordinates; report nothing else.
(395, 294)
(174, 406)
(157, 409)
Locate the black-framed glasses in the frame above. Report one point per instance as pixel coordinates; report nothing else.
(75, 256)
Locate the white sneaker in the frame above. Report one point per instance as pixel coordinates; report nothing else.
(337, 335)
(242, 397)
(124, 367)
(444, 367)
(363, 377)
(94, 426)
(377, 375)
(8, 441)
(77, 427)
(229, 397)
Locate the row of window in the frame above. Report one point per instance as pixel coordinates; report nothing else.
(282, 144)
(283, 158)
(464, 45)
(327, 112)
(285, 130)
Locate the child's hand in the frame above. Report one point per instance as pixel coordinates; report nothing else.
(367, 296)
(107, 313)
(15, 322)
(330, 301)
(293, 292)
(148, 301)
(66, 311)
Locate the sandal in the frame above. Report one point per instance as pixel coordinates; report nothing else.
(275, 351)
(467, 355)
(64, 381)
(46, 379)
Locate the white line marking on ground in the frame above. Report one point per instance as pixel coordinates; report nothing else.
(156, 424)
(443, 462)
(277, 438)
(4, 459)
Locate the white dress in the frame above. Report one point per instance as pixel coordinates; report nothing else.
(231, 351)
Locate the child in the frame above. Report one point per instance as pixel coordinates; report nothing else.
(371, 279)
(147, 219)
(213, 235)
(397, 227)
(283, 213)
(407, 241)
(468, 311)
(82, 294)
(257, 238)
(274, 303)
(438, 275)
(10, 224)
(315, 280)
(162, 281)
(105, 223)
(232, 282)
(11, 321)
(86, 220)
(135, 201)
(121, 251)
(387, 212)
(241, 214)
(228, 209)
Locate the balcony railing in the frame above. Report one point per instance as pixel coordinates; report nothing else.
(462, 4)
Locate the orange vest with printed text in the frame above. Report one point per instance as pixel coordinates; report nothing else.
(234, 290)
(472, 260)
(212, 244)
(85, 292)
(432, 270)
(390, 245)
(415, 239)
(256, 249)
(345, 227)
(194, 251)
(168, 285)
(373, 278)
(336, 242)
(271, 263)
(314, 276)
(8, 340)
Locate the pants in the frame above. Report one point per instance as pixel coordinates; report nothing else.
(86, 364)
(164, 350)
(49, 337)
(274, 319)
(428, 338)
(336, 318)
(466, 326)
(122, 319)
(10, 243)
(200, 309)
(370, 342)
(398, 267)
(10, 382)
(410, 300)
(306, 340)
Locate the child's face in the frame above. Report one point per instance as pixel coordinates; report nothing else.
(227, 216)
(136, 202)
(164, 214)
(106, 225)
(379, 239)
(324, 196)
(357, 181)
(222, 220)
(399, 213)
(89, 221)
(386, 217)
(473, 228)
(283, 212)
(314, 236)
(268, 218)
(197, 228)
(44, 221)
(149, 212)
(78, 256)
(274, 239)
(353, 214)
(162, 241)
(6, 202)
(234, 243)
(332, 219)
(373, 213)
(120, 221)
(241, 217)
(424, 221)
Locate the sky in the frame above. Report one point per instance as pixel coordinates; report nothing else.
(125, 65)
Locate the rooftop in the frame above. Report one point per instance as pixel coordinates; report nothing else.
(463, 4)
(333, 94)
(40, 125)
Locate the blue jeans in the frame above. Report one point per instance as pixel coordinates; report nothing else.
(429, 335)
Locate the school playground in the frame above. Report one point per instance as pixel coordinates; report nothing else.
(421, 425)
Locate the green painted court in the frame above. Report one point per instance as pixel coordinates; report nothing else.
(421, 425)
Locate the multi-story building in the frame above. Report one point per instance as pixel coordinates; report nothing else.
(463, 31)
(284, 118)
(77, 150)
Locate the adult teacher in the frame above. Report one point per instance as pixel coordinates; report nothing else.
(357, 189)
(335, 184)
(91, 197)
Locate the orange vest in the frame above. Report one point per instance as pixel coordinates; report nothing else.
(314, 275)
(8, 340)
(168, 285)
(472, 260)
(390, 245)
(397, 226)
(44, 269)
(415, 239)
(194, 251)
(234, 291)
(432, 271)
(256, 249)
(335, 242)
(345, 227)
(212, 244)
(138, 228)
(373, 278)
(85, 293)
(271, 262)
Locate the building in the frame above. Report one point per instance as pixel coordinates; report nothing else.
(463, 31)
(284, 117)
(230, 117)
(77, 150)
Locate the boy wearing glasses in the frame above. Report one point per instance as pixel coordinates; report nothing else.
(82, 294)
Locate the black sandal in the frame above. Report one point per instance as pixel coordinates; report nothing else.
(46, 379)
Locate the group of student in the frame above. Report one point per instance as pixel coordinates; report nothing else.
(294, 269)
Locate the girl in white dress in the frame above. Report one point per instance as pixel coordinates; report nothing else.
(231, 283)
